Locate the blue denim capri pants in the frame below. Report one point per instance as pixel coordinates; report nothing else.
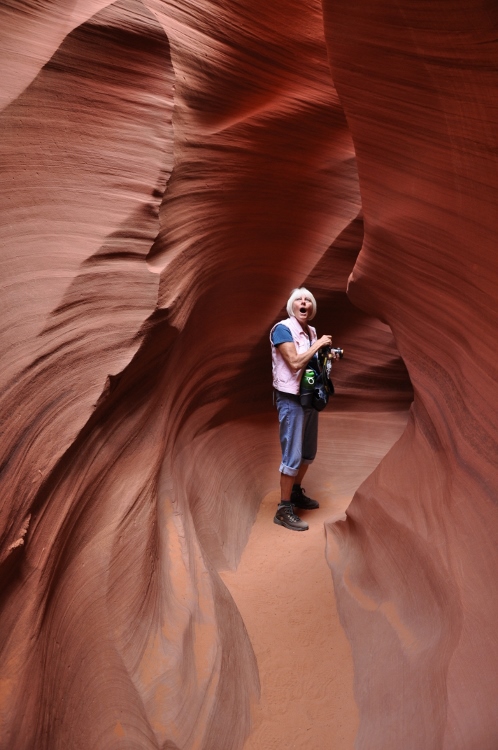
(298, 432)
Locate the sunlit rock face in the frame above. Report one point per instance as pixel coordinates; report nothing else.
(415, 562)
(172, 170)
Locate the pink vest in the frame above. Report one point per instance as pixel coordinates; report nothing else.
(285, 379)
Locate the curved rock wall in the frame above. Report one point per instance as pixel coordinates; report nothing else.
(171, 172)
(132, 465)
(415, 562)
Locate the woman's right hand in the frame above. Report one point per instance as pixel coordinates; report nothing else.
(325, 341)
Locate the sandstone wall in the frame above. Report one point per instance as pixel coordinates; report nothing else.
(171, 172)
(415, 562)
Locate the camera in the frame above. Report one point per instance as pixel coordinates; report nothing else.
(332, 352)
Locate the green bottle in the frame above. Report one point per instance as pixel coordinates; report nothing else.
(308, 381)
(307, 388)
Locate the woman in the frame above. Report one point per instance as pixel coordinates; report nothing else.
(293, 343)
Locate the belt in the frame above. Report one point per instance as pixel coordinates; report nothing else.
(291, 396)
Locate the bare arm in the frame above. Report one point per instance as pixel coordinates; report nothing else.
(297, 361)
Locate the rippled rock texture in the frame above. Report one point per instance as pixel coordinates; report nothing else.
(171, 170)
(415, 562)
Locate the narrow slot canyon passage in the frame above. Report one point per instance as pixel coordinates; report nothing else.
(283, 590)
(171, 169)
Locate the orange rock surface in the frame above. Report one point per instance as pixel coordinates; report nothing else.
(170, 171)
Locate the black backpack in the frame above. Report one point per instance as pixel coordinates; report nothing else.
(315, 393)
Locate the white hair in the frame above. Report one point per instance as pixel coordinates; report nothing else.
(301, 292)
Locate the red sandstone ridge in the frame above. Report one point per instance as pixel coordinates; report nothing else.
(415, 563)
(172, 169)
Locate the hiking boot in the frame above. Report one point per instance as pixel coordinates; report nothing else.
(301, 501)
(286, 517)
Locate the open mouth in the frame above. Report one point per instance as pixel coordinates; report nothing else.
(302, 310)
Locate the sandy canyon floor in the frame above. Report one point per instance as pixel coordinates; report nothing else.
(283, 589)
